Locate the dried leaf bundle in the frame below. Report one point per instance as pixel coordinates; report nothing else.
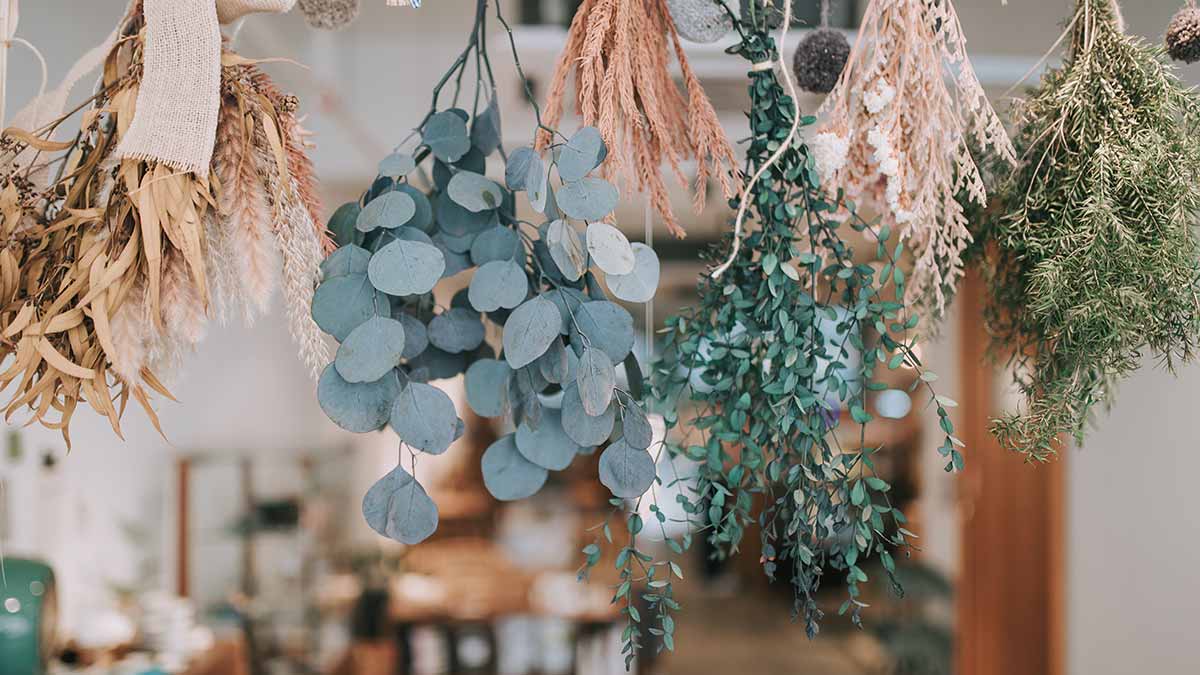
(898, 133)
(109, 272)
(620, 53)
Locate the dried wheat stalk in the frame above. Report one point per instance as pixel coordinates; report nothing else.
(620, 53)
(898, 134)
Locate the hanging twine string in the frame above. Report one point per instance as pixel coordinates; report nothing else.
(783, 147)
(10, 16)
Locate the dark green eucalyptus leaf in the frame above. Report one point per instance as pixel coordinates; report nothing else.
(566, 249)
(596, 381)
(446, 135)
(582, 153)
(583, 428)
(406, 268)
(454, 244)
(416, 336)
(626, 471)
(456, 330)
(357, 407)
(412, 234)
(497, 243)
(485, 129)
(398, 508)
(456, 263)
(424, 418)
(507, 475)
(546, 444)
(487, 385)
(460, 222)
(342, 224)
(423, 216)
(641, 284)
(371, 351)
(588, 199)
(498, 284)
(436, 364)
(343, 303)
(387, 211)
(474, 192)
(529, 331)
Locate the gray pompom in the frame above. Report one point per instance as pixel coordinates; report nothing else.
(1183, 35)
(700, 21)
(329, 14)
(819, 60)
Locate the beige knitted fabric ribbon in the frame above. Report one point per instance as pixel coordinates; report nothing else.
(180, 94)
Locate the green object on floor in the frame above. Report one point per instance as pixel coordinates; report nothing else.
(27, 616)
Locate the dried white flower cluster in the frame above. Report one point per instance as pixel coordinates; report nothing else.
(898, 134)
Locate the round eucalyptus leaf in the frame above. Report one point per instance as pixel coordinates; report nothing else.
(497, 284)
(626, 471)
(567, 300)
(567, 249)
(485, 130)
(607, 326)
(537, 186)
(582, 153)
(441, 175)
(456, 263)
(588, 199)
(341, 304)
(700, 21)
(474, 192)
(460, 222)
(583, 428)
(546, 444)
(398, 508)
(553, 365)
(497, 243)
(545, 262)
(446, 135)
(406, 268)
(487, 384)
(347, 260)
(423, 217)
(508, 475)
(610, 249)
(596, 381)
(387, 211)
(519, 168)
(435, 364)
(474, 161)
(529, 331)
(413, 234)
(456, 330)
(641, 284)
(454, 244)
(424, 418)
(416, 336)
(635, 427)
(397, 164)
(893, 404)
(371, 351)
(358, 407)
(342, 223)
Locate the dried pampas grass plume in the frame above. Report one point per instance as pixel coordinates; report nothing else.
(620, 53)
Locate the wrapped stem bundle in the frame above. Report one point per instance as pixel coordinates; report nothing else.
(898, 133)
(620, 52)
(113, 258)
(1094, 240)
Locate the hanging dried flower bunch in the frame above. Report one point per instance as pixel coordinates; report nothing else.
(898, 133)
(114, 262)
(1096, 251)
(1183, 34)
(620, 52)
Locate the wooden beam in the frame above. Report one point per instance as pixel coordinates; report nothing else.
(1011, 586)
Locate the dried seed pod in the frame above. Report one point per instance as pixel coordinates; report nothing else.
(819, 60)
(1183, 35)
(701, 21)
(329, 14)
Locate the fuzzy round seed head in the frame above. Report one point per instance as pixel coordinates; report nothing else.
(700, 21)
(1183, 35)
(329, 14)
(819, 60)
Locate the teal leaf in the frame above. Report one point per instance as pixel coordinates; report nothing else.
(343, 303)
(342, 223)
(387, 211)
(398, 508)
(347, 260)
(446, 135)
(605, 325)
(487, 387)
(641, 284)
(582, 153)
(424, 418)
(397, 164)
(498, 284)
(423, 217)
(610, 249)
(626, 471)
(406, 268)
(566, 249)
(497, 243)
(507, 475)
(585, 429)
(596, 381)
(456, 330)
(636, 427)
(357, 407)
(546, 443)
(522, 164)
(588, 199)
(474, 192)
(485, 129)
(416, 336)
(371, 351)
(529, 331)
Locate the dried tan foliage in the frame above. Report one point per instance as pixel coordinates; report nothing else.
(620, 52)
(898, 135)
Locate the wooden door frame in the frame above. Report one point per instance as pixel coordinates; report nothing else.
(1011, 591)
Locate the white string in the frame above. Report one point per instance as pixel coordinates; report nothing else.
(783, 147)
(649, 305)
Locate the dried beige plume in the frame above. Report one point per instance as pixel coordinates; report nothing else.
(898, 133)
(620, 52)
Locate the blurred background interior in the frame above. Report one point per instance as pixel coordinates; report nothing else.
(237, 546)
